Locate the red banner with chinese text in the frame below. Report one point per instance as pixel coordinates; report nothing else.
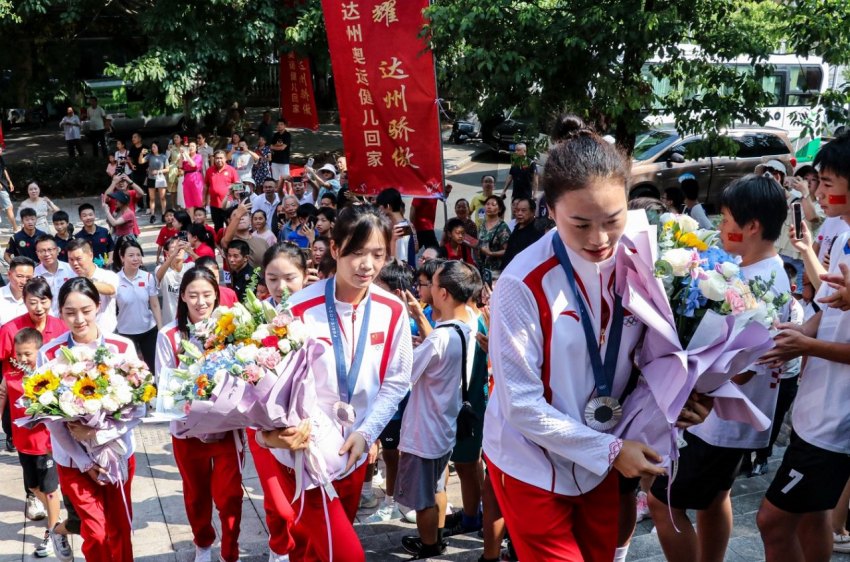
(387, 95)
(296, 92)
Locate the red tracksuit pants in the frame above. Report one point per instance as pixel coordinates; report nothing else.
(103, 513)
(211, 474)
(279, 514)
(548, 526)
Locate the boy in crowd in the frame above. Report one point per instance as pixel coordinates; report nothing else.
(170, 274)
(22, 242)
(430, 420)
(64, 233)
(167, 232)
(794, 518)
(753, 212)
(98, 237)
(199, 216)
(423, 317)
(240, 270)
(40, 475)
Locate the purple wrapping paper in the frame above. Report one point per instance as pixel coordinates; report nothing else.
(220, 414)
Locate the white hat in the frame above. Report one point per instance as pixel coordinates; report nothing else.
(328, 168)
(774, 165)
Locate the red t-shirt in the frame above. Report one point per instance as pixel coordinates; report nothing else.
(219, 182)
(202, 250)
(227, 296)
(34, 441)
(113, 204)
(165, 234)
(426, 213)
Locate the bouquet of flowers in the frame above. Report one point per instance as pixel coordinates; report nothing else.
(96, 388)
(705, 325)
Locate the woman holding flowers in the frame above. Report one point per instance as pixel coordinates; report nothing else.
(104, 508)
(361, 377)
(210, 468)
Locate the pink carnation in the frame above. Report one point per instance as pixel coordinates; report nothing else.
(252, 373)
(282, 320)
(268, 357)
(735, 301)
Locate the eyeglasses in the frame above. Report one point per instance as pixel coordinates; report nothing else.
(424, 283)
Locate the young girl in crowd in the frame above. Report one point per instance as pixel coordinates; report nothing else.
(200, 243)
(104, 509)
(260, 229)
(370, 353)
(139, 315)
(210, 468)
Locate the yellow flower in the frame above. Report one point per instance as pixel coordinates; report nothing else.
(225, 325)
(38, 384)
(149, 393)
(669, 225)
(691, 240)
(86, 389)
(280, 332)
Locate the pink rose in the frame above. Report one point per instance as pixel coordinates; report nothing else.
(282, 320)
(252, 373)
(268, 357)
(735, 301)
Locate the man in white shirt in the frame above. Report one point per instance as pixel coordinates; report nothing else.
(170, 274)
(12, 295)
(53, 271)
(97, 127)
(266, 201)
(71, 126)
(81, 260)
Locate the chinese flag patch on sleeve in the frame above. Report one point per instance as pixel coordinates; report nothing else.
(377, 338)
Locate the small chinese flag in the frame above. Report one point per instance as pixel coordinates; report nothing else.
(377, 338)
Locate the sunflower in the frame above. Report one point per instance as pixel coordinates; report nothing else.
(149, 393)
(38, 384)
(86, 389)
(691, 240)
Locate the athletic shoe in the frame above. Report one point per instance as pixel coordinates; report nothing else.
(454, 525)
(642, 506)
(35, 509)
(203, 554)
(278, 557)
(413, 545)
(759, 468)
(407, 514)
(386, 512)
(45, 547)
(61, 547)
(153, 218)
(368, 501)
(378, 478)
(840, 542)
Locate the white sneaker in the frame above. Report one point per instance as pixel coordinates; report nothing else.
(368, 501)
(386, 512)
(203, 554)
(44, 547)
(61, 546)
(409, 515)
(35, 509)
(642, 506)
(278, 557)
(378, 478)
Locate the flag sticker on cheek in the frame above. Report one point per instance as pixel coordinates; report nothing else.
(735, 237)
(837, 199)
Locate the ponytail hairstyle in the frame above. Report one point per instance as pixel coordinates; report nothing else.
(292, 252)
(200, 232)
(580, 158)
(194, 274)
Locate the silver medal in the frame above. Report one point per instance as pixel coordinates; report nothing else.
(603, 413)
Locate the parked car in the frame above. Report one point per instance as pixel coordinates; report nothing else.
(502, 133)
(126, 109)
(661, 156)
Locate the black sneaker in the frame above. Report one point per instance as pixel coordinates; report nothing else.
(455, 526)
(153, 218)
(413, 545)
(10, 445)
(759, 468)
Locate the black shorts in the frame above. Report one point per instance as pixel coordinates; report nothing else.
(390, 435)
(39, 472)
(703, 471)
(809, 479)
(629, 485)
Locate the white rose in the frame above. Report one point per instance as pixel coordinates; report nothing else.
(729, 270)
(168, 402)
(261, 333)
(679, 259)
(284, 346)
(247, 354)
(47, 398)
(60, 369)
(70, 409)
(92, 406)
(687, 224)
(297, 331)
(109, 404)
(123, 395)
(713, 286)
(78, 369)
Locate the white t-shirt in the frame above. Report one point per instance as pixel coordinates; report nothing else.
(763, 388)
(133, 299)
(10, 308)
(42, 209)
(244, 164)
(71, 126)
(169, 289)
(96, 116)
(307, 198)
(821, 416)
(107, 320)
(430, 420)
(831, 228)
(697, 212)
(56, 280)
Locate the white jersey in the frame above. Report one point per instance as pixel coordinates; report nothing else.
(763, 388)
(116, 344)
(534, 427)
(821, 416)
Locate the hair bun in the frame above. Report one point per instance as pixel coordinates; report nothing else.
(569, 127)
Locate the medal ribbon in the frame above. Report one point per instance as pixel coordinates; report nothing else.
(602, 374)
(346, 380)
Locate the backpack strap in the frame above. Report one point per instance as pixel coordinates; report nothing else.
(463, 383)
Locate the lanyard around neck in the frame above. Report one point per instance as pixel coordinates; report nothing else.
(346, 380)
(602, 374)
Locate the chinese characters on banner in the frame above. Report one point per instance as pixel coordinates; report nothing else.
(387, 92)
(296, 92)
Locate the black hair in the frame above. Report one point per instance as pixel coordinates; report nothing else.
(82, 285)
(757, 198)
(805, 170)
(171, 210)
(200, 232)
(29, 335)
(194, 274)
(355, 225)
(488, 176)
(453, 223)
(260, 211)
(20, 261)
(44, 238)
(390, 197)
(328, 213)
(206, 262)
(85, 207)
(396, 275)
(459, 279)
(195, 210)
(281, 120)
(118, 252)
(324, 240)
(38, 287)
(327, 267)
(676, 197)
(292, 252)
(60, 216)
(790, 271)
(131, 242)
(184, 219)
(27, 212)
(306, 210)
(579, 159)
(240, 245)
(329, 195)
(835, 156)
(430, 267)
(654, 208)
(500, 202)
(79, 244)
(532, 205)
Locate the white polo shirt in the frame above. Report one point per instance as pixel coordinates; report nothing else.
(260, 203)
(107, 320)
(55, 280)
(10, 307)
(169, 288)
(133, 298)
